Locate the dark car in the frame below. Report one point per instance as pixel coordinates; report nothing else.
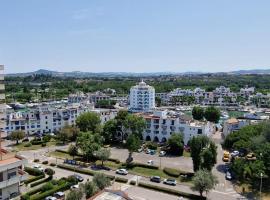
(156, 179)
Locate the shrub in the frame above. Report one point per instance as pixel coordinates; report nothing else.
(43, 144)
(171, 172)
(41, 181)
(34, 179)
(134, 164)
(36, 142)
(101, 180)
(117, 161)
(47, 186)
(28, 144)
(33, 171)
(132, 182)
(49, 171)
(151, 145)
(79, 170)
(45, 162)
(52, 164)
(72, 179)
(171, 191)
(36, 160)
(121, 180)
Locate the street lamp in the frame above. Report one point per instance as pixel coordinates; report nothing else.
(261, 186)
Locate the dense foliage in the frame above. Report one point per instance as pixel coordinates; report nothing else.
(251, 139)
(176, 144)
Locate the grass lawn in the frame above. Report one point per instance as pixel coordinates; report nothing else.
(148, 172)
(58, 154)
(21, 146)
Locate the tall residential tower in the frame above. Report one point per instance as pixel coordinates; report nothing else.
(142, 98)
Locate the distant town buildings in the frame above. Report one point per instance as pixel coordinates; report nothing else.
(2, 100)
(142, 98)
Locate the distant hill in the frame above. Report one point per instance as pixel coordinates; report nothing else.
(130, 74)
(252, 71)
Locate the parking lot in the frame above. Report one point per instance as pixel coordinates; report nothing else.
(183, 163)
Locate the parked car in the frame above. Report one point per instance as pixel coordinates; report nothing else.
(162, 153)
(140, 150)
(235, 153)
(170, 181)
(78, 177)
(38, 167)
(156, 179)
(59, 195)
(228, 176)
(251, 156)
(152, 152)
(50, 198)
(74, 187)
(121, 171)
(150, 162)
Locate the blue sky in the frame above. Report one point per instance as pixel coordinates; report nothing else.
(134, 35)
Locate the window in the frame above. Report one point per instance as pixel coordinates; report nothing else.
(46, 117)
(199, 131)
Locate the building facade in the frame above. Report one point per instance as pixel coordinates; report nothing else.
(11, 174)
(161, 124)
(142, 98)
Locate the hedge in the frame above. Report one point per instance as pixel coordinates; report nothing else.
(117, 161)
(33, 171)
(171, 191)
(132, 182)
(134, 164)
(62, 187)
(171, 172)
(41, 181)
(36, 142)
(34, 179)
(31, 192)
(121, 180)
(82, 171)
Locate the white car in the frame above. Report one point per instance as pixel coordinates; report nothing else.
(150, 162)
(235, 153)
(162, 153)
(50, 198)
(170, 181)
(38, 167)
(122, 171)
(74, 187)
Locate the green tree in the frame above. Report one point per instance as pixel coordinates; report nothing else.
(65, 133)
(212, 114)
(198, 113)
(158, 101)
(133, 143)
(90, 189)
(134, 124)
(203, 152)
(109, 130)
(101, 180)
(17, 135)
(74, 195)
(204, 181)
(89, 121)
(103, 154)
(73, 150)
(176, 144)
(89, 143)
(120, 122)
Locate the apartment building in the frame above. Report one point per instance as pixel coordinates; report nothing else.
(142, 98)
(49, 117)
(11, 174)
(161, 124)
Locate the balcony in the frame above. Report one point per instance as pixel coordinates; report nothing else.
(164, 126)
(13, 180)
(164, 132)
(172, 128)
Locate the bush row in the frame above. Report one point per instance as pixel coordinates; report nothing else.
(121, 180)
(62, 187)
(33, 171)
(132, 182)
(117, 161)
(41, 181)
(134, 164)
(27, 195)
(176, 173)
(34, 179)
(171, 191)
(82, 171)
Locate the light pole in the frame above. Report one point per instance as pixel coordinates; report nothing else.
(261, 186)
